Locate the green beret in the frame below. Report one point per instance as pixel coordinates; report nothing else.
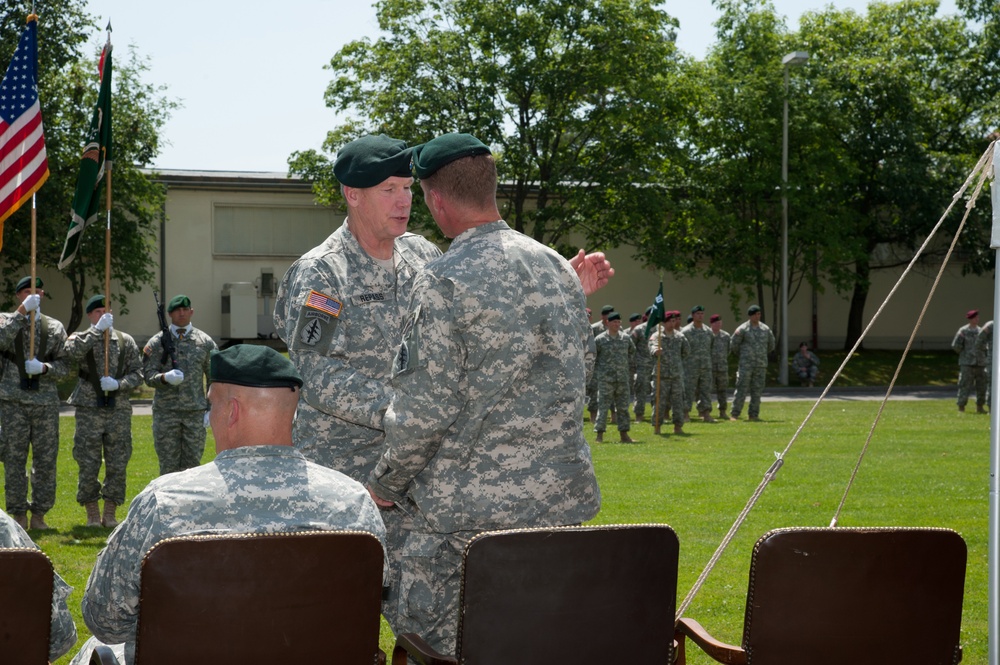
(370, 160)
(697, 308)
(253, 365)
(753, 309)
(25, 282)
(607, 309)
(178, 301)
(95, 302)
(635, 316)
(614, 316)
(431, 156)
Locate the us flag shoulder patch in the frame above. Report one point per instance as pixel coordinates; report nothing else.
(323, 303)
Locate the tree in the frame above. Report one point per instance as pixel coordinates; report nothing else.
(902, 109)
(68, 85)
(580, 101)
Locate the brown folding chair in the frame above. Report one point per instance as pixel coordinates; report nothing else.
(25, 606)
(260, 599)
(602, 594)
(865, 596)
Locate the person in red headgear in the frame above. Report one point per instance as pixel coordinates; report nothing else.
(971, 363)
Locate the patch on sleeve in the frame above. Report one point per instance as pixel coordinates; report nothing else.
(323, 303)
(408, 355)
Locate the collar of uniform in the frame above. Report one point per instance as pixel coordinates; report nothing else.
(187, 329)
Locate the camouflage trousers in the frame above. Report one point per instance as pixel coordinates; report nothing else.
(178, 438)
(430, 586)
(698, 387)
(642, 389)
(612, 396)
(34, 427)
(102, 434)
(720, 383)
(972, 377)
(749, 382)
(398, 522)
(592, 392)
(671, 398)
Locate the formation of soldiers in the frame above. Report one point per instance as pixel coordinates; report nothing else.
(676, 368)
(36, 354)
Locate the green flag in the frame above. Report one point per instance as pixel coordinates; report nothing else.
(96, 159)
(658, 312)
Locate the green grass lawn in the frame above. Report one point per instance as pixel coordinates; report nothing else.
(928, 466)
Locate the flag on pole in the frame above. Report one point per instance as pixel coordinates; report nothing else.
(95, 160)
(658, 313)
(24, 166)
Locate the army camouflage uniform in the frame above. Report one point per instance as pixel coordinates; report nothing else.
(62, 634)
(179, 411)
(342, 345)
(984, 346)
(103, 432)
(593, 389)
(484, 429)
(641, 388)
(698, 369)
(30, 417)
(253, 489)
(971, 366)
(671, 380)
(611, 365)
(750, 344)
(720, 369)
(806, 366)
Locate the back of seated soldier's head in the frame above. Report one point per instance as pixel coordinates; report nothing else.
(253, 395)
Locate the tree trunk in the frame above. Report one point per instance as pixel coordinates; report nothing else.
(856, 316)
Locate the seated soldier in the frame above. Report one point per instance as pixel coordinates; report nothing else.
(252, 400)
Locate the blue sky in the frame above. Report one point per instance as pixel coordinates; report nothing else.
(251, 78)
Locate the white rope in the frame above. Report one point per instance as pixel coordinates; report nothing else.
(772, 471)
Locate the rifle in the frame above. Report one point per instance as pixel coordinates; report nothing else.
(166, 340)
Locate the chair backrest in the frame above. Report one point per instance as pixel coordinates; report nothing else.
(305, 597)
(25, 606)
(855, 595)
(603, 594)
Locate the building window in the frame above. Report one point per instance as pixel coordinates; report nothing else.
(245, 230)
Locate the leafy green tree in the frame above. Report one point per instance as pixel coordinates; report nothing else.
(68, 84)
(902, 109)
(581, 102)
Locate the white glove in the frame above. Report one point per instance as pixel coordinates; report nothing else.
(173, 377)
(33, 366)
(32, 302)
(105, 322)
(109, 384)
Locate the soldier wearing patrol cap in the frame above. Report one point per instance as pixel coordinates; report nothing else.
(29, 404)
(179, 402)
(103, 411)
(750, 343)
(484, 428)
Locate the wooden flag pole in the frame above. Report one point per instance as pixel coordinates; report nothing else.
(107, 267)
(658, 411)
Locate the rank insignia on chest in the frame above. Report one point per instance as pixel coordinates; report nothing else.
(323, 303)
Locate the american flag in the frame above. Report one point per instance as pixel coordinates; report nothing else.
(323, 303)
(23, 163)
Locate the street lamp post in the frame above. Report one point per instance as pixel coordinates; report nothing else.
(793, 58)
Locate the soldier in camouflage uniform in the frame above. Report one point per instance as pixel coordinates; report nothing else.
(971, 363)
(62, 633)
(698, 366)
(179, 401)
(641, 388)
(103, 411)
(254, 391)
(984, 346)
(615, 353)
(593, 388)
(720, 363)
(669, 348)
(484, 429)
(29, 405)
(750, 343)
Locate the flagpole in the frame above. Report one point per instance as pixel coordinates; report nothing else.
(659, 358)
(34, 246)
(107, 269)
